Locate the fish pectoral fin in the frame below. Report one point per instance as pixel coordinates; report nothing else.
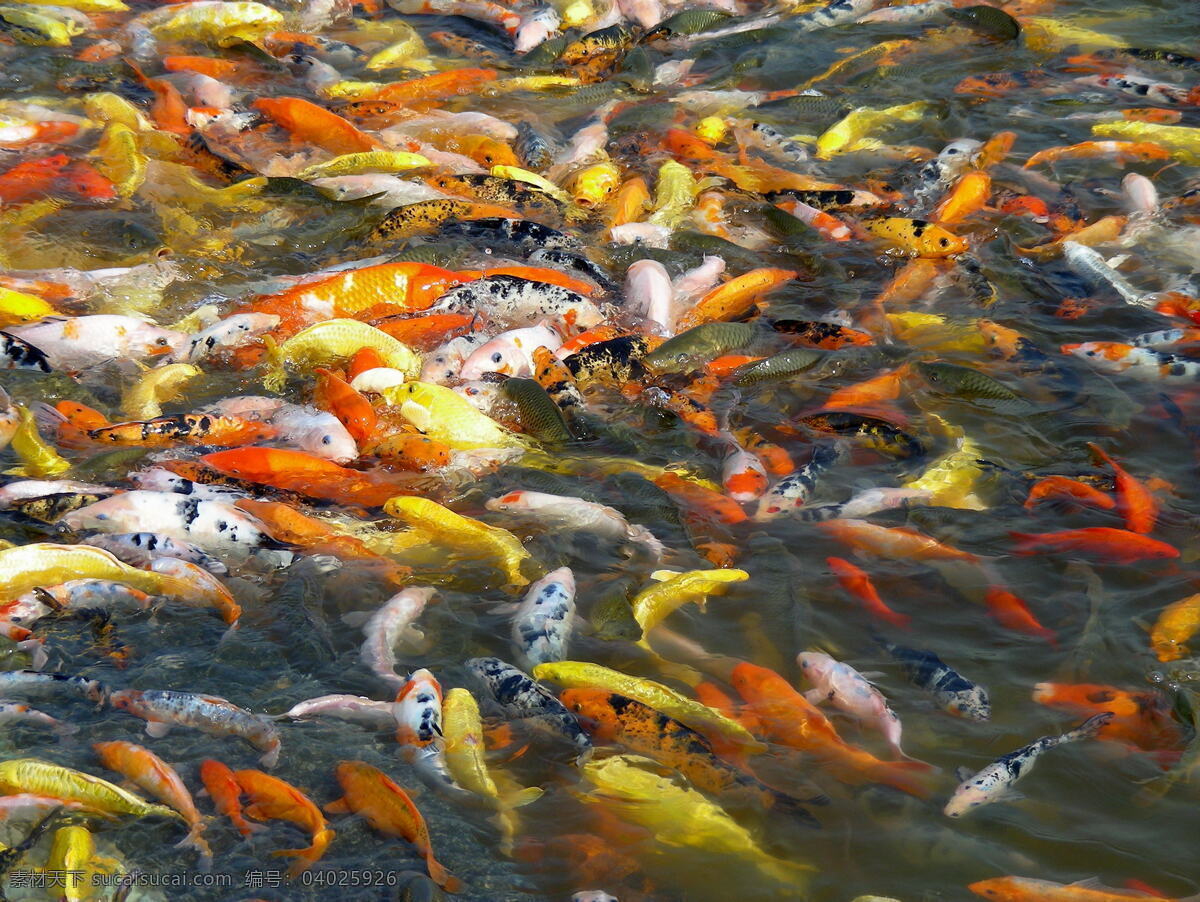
(156, 729)
(963, 774)
(337, 806)
(524, 797)
(505, 609)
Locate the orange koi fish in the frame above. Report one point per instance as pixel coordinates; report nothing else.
(1027, 889)
(205, 65)
(308, 475)
(1063, 487)
(225, 792)
(286, 524)
(185, 428)
(437, 86)
(47, 175)
(271, 797)
(735, 297)
(1121, 152)
(1102, 542)
(894, 542)
(969, 195)
(869, 393)
(703, 501)
(334, 394)
(424, 333)
(411, 451)
(1011, 612)
(159, 779)
(858, 583)
(312, 124)
(1135, 502)
(386, 807)
(788, 718)
(1142, 719)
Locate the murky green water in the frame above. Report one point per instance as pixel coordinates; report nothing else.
(1080, 816)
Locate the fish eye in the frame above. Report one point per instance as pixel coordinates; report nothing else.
(497, 357)
(327, 440)
(162, 342)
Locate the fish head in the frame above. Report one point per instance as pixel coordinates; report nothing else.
(744, 479)
(126, 700)
(816, 666)
(751, 681)
(417, 681)
(480, 393)
(149, 340)
(563, 576)
(1167, 648)
(512, 501)
(500, 355)
(1000, 889)
(968, 796)
(971, 703)
(597, 711)
(330, 440)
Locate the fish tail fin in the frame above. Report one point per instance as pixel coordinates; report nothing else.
(441, 876)
(195, 840)
(1089, 727)
(913, 777)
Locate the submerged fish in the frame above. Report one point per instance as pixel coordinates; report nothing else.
(991, 783)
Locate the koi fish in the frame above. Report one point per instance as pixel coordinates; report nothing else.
(32, 775)
(991, 783)
(788, 718)
(214, 525)
(272, 798)
(353, 708)
(681, 816)
(950, 690)
(1102, 542)
(523, 699)
(464, 757)
(609, 717)
(1176, 624)
(858, 583)
(1141, 719)
(387, 808)
(222, 786)
(386, 627)
(159, 779)
(541, 629)
(847, 689)
(164, 708)
(575, 514)
(418, 722)
(1028, 889)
